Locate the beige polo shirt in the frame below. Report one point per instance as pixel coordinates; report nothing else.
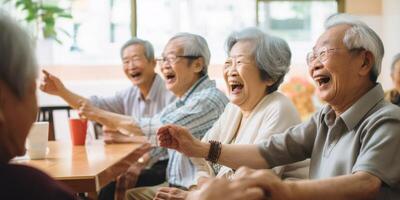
(366, 137)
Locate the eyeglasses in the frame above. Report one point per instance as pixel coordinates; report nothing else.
(323, 54)
(172, 59)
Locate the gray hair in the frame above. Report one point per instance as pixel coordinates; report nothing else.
(148, 47)
(272, 54)
(195, 45)
(360, 35)
(396, 58)
(18, 67)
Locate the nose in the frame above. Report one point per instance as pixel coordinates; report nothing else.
(232, 70)
(315, 65)
(165, 66)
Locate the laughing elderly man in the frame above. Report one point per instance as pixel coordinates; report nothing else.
(184, 67)
(353, 141)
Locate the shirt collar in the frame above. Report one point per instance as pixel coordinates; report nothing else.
(353, 115)
(153, 90)
(200, 84)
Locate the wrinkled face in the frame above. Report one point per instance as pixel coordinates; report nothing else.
(17, 116)
(179, 72)
(396, 75)
(137, 68)
(243, 77)
(338, 76)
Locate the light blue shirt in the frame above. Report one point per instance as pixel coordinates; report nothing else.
(197, 110)
(130, 101)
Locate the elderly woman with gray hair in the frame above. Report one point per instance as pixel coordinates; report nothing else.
(394, 94)
(255, 67)
(18, 109)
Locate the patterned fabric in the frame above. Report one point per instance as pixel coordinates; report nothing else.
(197, 110)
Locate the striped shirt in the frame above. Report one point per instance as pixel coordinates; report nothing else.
(197, 110)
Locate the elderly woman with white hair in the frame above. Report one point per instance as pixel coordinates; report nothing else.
(353, 141)
(393, 95)
(18, 110)
(256, 65)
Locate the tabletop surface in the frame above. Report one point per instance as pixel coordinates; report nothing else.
(65, 161)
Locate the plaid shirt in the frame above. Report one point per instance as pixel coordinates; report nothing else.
(197, 110)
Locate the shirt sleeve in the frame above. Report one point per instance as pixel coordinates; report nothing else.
(379, 151)
(203, 168)
(295, 144)
(113, 104)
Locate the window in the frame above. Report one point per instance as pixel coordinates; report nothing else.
(159, 20)
(300, 23)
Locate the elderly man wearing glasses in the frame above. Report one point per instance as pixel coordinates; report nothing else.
(353, 141)
(199, 104)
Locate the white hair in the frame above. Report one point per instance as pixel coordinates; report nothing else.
(360, 35)
(272, 54)
(18, 67)
(195, 45)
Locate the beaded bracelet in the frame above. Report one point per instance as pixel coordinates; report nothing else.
(214, 152)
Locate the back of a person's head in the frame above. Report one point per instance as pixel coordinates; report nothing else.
(17, 61)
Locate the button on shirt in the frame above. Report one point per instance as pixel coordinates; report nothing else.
(130, 101)
(197, 110)
(366, 137)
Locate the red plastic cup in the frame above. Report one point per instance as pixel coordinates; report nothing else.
(78, 128)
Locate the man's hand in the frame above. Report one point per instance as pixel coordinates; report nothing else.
(179, 138)
(223, 189)
(51, 84)
(170, 193)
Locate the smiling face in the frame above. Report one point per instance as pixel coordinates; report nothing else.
(180, 73)
(242, 77)
(343, 74)
(16, 118)
(137, 68)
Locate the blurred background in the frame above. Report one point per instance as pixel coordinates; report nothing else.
(80, 40)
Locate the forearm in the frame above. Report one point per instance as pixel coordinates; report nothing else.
(235, 155)
(352, 187)
(72, 98)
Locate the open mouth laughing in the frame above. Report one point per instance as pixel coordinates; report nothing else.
(135, 74)
(170, 77)
(322, 80)
(235, 87)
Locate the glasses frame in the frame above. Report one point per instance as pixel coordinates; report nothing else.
(323, 54)
(163, 60)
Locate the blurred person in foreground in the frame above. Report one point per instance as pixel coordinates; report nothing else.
(256, 66)
(393, 95)
(353, 141)
(18, 110)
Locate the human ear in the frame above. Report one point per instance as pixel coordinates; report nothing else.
(368, 60)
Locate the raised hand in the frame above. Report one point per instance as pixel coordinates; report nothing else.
(51, 84)
(179, 138)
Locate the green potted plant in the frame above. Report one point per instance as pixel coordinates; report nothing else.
(43, 15)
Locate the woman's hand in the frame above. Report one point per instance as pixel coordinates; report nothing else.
(179, 138)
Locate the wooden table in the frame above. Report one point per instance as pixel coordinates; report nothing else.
(87, 168)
